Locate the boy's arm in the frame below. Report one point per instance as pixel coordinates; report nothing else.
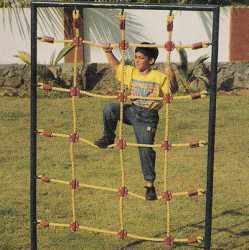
(112, 60)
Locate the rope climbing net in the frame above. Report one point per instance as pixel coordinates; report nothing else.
(120, 144)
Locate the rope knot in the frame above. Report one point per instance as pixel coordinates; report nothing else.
(166, 145)
(74, 226)
(77, 41)
(74, 91)
(169, 241)
(74, 184)
(122, 96)
(167, 196)
(167, 98)
(74, 137)
(123, 45)
(169, 46)
(123, 191)
(121, 144)
(122, 234)
(47, 87)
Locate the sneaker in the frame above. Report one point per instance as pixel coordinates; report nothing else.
(150, 193)
(103, 142)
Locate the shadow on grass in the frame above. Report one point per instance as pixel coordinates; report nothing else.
(216, 230)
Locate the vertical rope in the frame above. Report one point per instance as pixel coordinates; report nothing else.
(121, 201)
(166, 130)
(73, 101)
(73, 176)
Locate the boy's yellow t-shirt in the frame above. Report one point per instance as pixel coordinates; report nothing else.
(152, 84)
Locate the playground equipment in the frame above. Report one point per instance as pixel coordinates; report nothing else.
(121, 143)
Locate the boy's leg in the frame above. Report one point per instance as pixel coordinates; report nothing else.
(111, 115)
(145, 134)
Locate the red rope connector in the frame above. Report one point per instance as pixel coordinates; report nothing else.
(170, 25)
(74, 91)
(122, 24)
(193, 193)
(194, 144)
(167, 196)
(169, 46)
(122, 234)
(121, 143)
(74, 184)
(123, 191)
(200, 45)
(76, 23)
(123, 45)
(167, 98)
(46, 39)
(168, 241)
(77, 41)
(192, 240)
(165, 145)
(74, 226)
(122, 96)
(44, 178)
(46, 133)
(47, 87)
(44, 223)
(74, 137)
(196, 96)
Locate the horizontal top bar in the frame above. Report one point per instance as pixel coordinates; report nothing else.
(189, 7)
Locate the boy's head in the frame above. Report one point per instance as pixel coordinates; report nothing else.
(145, 57)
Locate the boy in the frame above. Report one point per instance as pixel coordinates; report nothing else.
(141, 114)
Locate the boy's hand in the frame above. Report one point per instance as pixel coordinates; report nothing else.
(107, 48)
(112, 60)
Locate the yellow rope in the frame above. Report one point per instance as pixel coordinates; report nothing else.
(75, 16)
(131, 45)
(73, 176)
(203, 94)
(166, 134)
(121, 205)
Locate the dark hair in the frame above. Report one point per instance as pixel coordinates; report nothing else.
(150, 52)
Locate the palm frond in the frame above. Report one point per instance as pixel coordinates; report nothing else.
(183, 59)
(200, 60)
(63, 53)
(24, 57)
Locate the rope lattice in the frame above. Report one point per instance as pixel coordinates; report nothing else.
(122, 191)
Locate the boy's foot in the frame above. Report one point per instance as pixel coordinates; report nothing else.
(103, 142)
(150, 193)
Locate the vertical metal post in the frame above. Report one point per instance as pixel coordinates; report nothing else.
(33, 108)
(211, 130)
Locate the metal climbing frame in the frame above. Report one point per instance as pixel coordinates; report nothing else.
(121, 143)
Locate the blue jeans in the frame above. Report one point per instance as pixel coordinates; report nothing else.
(144, 122)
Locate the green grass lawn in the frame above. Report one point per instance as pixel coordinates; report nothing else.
(187, 171)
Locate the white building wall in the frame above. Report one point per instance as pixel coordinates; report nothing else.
(102, 25)
(11, 41)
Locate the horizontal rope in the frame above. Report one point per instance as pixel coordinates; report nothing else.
(195, 144)
(130, 45)
(133, 236)
(198, 192)
(52, 134)
(202, 94)
(43, 178)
